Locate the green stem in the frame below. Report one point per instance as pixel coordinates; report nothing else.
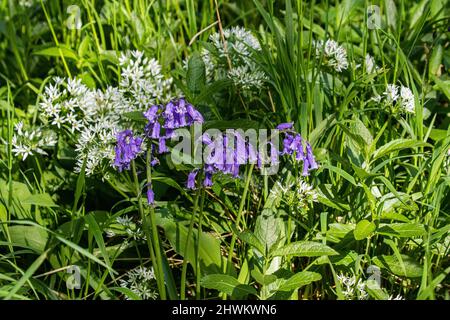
(238, 218)
(184, 267)
(155, 234)
(144, 222)
(198, 273)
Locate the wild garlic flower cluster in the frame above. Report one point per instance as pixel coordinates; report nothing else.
(233, 58)
(297, 195)
(142, 82)
(125, 224)
(142, 282)
(397, 98)
(27, 141)
(352, 289)
(333, 55)
(92, 117)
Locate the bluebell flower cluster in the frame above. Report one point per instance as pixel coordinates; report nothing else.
(127, 149)
(294, 144)
(162, 120)
(226, 157)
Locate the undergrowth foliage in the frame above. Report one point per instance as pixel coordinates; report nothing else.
(97, 202)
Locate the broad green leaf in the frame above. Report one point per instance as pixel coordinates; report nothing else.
(196, 74)
(29, 236)
(209, 251)
(249, 238)
(41, 199)
(408, 267)
(227, 284)
(304, 249)
(264, 279)
(396, 145)
(435, 61)
(403, 230)
(363, 229)
(58, 52)
(339, 230)
(299, 280)
(269, 229)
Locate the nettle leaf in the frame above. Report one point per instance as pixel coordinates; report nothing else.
(249, 238)
(304, 249)
(227, 284)
(264, 279)
(196, 74)
(409, 267)
(402, 230)
(363, 229)
(299, 280)
(269, 229)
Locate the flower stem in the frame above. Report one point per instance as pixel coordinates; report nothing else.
(200, 221)
(155, 234)
(147, 234)
(238, 218)
(185, 260)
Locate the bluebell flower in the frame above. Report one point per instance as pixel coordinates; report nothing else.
(285, 126)
(191, 179)
(127, 149)
(150, 195)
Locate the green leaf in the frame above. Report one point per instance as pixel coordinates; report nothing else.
(227, 284)
(58, 52)
(209, 251)
(304, 249)
(269, 229)
(363, 229)
(136, 116)
(41, 199)
(408, 267)
(249, 238)
(31, 237)
(264, 279)
(299, 280)
(396, 145)
(402, 230)
(435, 61)
(196, 74)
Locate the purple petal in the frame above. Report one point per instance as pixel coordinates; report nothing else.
(285, 126)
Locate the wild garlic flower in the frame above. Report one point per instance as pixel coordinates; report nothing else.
(352, 289)
(238, 50)
(91, 118)
(370, 64)
(397, 98)
(95, 145)
(142, 282)
(306, 193)
(27, 141)
(125, 225)
(142, 81)
(334, 55)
